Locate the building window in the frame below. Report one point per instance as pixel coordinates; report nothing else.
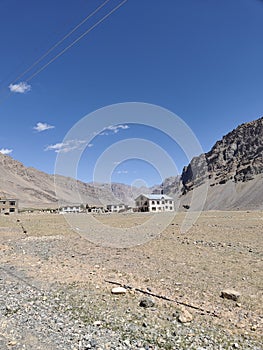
(166, 207)
(153, 208)
(170, 202)
(171, 208)
(153, 202)
(162, 202)
(12, 210)
(158, 202)
(159, 208)
(12, 203)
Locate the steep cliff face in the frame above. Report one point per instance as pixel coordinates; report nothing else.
(169, 186)
(238, 157)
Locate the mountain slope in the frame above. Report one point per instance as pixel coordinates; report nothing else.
(34, 188)
(233, 170)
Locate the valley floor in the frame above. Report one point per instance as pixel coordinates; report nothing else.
(55, 291)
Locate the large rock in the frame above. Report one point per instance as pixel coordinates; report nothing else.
(118, 290)
(230, 294)
(147, 302)
(185, 316)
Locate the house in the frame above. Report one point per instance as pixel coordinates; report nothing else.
(70, 209)
(8, 206)
(116, 208)
(154, 203)
(95, 209)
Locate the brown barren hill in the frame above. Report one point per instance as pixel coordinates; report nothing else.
(229, 177)
(34, 188)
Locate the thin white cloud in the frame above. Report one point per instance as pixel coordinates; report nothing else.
(117, 128)
(20, 88)
(122, 172)
(68, 146)
(6, 151)
(56, 147)
(42, 127)
(113, 129)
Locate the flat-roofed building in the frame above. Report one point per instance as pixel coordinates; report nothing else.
(116, 208)
(8, 206)
(70, 209)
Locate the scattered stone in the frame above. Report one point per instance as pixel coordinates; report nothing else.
(118, 290)
(75, 325)
(147, 302)
(230, 294)
(93, 343)
(127, 342)
(12, 343)
(185, 316)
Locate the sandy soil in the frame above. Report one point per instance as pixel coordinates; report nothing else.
(221, 250)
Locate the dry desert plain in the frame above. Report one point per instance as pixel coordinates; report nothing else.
(55, 291)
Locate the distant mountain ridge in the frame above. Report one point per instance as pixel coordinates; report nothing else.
(233, 171)
(34, 188)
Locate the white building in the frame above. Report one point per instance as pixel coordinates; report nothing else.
(96, 210)
(116, 208)
(70, 209)
(154, 203)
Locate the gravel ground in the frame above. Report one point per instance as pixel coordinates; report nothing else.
(53, 293)
(78, 318)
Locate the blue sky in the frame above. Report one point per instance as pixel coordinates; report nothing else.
(200, 59)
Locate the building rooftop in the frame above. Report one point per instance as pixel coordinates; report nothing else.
(156, 196)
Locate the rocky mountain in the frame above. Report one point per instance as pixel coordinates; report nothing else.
(233, 169)
(237, 157)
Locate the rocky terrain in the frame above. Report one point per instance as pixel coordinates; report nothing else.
(238, 157)
(55, 290)
(232, 170)
(200, 289)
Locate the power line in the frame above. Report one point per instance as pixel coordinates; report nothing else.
(69, 46)
(61, 40)
(77, 40)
